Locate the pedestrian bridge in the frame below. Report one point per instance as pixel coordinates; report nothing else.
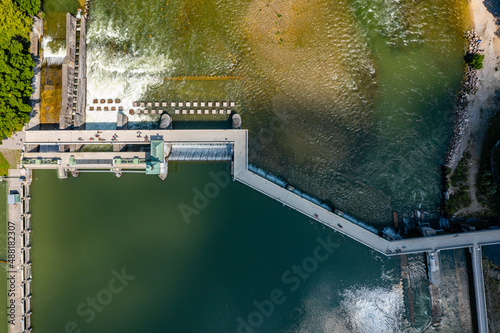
(238, 139)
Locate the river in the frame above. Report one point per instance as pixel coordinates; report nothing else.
(350, 101)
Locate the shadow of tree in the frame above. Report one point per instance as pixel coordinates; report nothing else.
(493, 6)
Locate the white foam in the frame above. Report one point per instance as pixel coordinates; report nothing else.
(362, 309)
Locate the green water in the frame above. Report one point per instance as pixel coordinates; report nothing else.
(54, 40)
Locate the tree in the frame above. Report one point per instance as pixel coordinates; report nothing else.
(475, 60)
(13, 22)
(32, 7)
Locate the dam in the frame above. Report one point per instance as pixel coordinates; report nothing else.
(59, 150)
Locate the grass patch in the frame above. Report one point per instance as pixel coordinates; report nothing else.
(459, 199)
(4, 166)
(459, 176)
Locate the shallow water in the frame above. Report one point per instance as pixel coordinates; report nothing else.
(348, 100)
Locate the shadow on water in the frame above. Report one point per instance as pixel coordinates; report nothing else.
(222, 124)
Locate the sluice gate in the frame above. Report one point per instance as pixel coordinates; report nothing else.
(201, 152)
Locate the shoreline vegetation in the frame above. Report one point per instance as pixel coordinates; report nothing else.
(468, 87)
(16, 68)
(456, 178)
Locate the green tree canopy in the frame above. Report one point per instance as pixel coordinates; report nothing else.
(32, 7)
(16, 68)
(13, 22)
(475, 60)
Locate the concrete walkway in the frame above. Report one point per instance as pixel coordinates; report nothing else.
(239, 139)
(19, 271)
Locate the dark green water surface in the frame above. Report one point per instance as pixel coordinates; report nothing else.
(202, 276)
(197, 277)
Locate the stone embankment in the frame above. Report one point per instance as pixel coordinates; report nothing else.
(468, 87)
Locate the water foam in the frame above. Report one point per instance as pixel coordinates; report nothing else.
(126, 77)
(53, 55)
(362, 309)
(120, 68)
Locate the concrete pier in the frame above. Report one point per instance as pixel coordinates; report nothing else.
(436, 309)
(433, 267)
(68, 74)
(81, 87)
(35, 39)
(405, 275)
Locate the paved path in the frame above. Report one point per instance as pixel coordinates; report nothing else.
(131, 136)
(19, 272)
(16, 141)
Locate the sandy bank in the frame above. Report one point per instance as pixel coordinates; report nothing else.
(485, 15)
